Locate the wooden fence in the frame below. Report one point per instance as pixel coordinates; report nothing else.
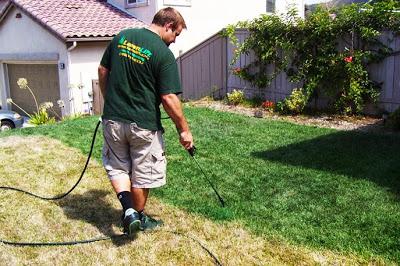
(98, 101)
(206, 71)
(203, 69)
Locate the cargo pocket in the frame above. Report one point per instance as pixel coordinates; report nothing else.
(112, 130)
(159, 165)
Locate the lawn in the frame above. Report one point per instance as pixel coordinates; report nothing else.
(301, 189)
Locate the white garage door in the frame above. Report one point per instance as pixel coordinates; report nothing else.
(42, 79)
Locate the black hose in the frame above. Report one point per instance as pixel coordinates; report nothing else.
(217, 262)
(66, 243)
(73, 187)
(87, 241)
(116, 236)
(76, 242)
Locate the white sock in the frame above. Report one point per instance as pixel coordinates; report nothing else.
(129, 212)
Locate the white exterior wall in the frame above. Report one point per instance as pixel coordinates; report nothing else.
(84, 61)
(144, 13)
(24, 39)
(205, 18)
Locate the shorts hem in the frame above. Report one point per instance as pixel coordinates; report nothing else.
(152, 185)
(118, 176)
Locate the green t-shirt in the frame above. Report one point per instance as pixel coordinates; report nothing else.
(142, 68)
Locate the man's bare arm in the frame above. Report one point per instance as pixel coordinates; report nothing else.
(103, 77)
(173, 107)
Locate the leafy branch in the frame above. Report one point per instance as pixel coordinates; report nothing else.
(328, 52)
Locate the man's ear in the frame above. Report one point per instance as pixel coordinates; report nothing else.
(169, 26)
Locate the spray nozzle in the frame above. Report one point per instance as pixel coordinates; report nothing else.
(192, 150)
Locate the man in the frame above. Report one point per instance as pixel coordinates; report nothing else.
(137, 73)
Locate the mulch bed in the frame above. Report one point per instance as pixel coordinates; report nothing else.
(360, 123)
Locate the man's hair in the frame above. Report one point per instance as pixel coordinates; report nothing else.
(168, 15)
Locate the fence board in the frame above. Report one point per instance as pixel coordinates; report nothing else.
(396, 79)
(98, 101)
(208, 65)
(387, 92)
(201, 68)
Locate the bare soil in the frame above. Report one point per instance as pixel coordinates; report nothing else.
(360, 123)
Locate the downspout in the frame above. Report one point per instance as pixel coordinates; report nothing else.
(72, 47)
(70, 91)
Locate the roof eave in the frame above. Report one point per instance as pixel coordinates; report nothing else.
(5, 10)
(89, 39)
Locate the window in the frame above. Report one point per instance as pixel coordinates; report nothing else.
(270, 6)
(136, 3)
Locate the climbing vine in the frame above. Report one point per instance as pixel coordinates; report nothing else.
(328, 52)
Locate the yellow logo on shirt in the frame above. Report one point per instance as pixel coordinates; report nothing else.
(135, 53)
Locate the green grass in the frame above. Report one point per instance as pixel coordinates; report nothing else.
(310, 186)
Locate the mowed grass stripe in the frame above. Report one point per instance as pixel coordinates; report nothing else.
(308, 186)
(92, 210)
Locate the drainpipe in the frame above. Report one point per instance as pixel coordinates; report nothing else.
(70, 92)
(73, 46)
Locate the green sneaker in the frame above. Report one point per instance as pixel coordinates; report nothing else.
(148, 223)
(131, 222)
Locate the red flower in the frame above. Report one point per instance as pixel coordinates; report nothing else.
(348, 59)
(268, 105)
(236, 70)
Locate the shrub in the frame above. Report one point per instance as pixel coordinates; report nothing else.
(296, 102)
(394, 120)
(254, 102)
(308, 50)
(41, 118)
(280, 107)
(236, 97)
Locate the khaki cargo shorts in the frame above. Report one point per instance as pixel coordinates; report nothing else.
(133, 152)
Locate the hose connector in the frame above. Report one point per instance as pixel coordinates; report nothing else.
(192, 150)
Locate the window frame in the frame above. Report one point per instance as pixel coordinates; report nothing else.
(138, 3)
(270, 6)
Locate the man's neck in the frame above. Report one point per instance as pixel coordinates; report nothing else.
(156, 29)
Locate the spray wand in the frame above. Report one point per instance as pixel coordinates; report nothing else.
(192, 151)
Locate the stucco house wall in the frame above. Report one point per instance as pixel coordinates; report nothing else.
(57, 45)
(207, 17)
(84, 60)
(31, 45)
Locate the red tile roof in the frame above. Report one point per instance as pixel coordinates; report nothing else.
(79, 18)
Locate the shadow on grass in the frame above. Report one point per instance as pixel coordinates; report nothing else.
(371, 157)
(92, 208)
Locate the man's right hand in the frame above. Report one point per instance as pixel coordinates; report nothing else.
(172, 105)
(186, 139)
